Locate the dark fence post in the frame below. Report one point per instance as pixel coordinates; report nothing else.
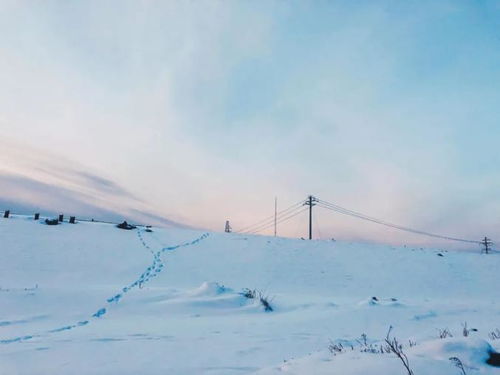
(72, 220)
(6, 214)
(37, 216)
(61, 217)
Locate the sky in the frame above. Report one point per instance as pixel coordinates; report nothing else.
(205, 111)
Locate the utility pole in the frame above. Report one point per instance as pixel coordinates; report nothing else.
(275, 214)
(310, 202)
(486, 243)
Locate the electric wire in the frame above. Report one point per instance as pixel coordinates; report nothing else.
(318, 229)
(282, 220)
(271, 224)
(345, 211)
(396, 226)
(270, 219)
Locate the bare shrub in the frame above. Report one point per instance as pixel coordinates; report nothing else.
(266, 302)
(263, 299)
(365, 347)
(395, 347)
(458, 363)
(444, 333)
(335, 348)
(363, 340)
(249, 293)
(494, 335)
(466, 331)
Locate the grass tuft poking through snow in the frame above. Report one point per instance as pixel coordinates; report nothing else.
(395, 347)
(264, 300)
(458, 363)
(444, 333)
(494, 335)
(249, 293)
(466, 331)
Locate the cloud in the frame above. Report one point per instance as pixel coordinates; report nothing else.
(33, 180)
(26, 196)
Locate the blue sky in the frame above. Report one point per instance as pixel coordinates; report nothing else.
(207, 110)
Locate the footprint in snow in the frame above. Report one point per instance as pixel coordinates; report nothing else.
(114, 299)
(99, 313)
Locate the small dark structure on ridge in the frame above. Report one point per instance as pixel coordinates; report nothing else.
(51, 221)
(126, 226)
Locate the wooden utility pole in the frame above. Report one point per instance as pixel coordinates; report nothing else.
(275, 214)
(310, 202)
(487, 244)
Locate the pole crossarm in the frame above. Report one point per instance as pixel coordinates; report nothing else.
(311, 202)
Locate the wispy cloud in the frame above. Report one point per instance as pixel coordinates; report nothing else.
(32, 179)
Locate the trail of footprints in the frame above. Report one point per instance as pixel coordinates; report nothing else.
(152, 271)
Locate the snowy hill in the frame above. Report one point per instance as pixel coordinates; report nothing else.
(93, 299)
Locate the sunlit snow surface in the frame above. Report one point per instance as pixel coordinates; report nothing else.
(93, 299)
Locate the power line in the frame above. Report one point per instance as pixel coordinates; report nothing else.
(316, 224)
(297, 208)
(279, 220)
(345, 211)
(275, 214)
(270, 219)
(282, 220)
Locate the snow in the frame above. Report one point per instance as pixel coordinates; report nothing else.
(93, 299)
(431, 359)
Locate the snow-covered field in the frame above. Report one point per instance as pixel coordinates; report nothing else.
(93, 299)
